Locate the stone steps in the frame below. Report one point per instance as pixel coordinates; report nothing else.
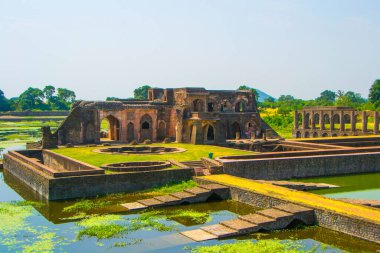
(300, 186)
(197, 194)
(194, 164)
(278, 217)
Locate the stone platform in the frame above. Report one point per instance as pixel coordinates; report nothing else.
(197, 194)
(300, 186)
(364, 202)
(278, 217)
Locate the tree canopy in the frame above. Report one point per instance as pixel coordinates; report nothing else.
(374, 93)
(37, 99)
(254, 91)
(141, 93)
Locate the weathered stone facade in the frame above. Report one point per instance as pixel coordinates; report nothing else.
(313, 122)
(190, 115)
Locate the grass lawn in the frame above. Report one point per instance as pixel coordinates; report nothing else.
(193, 152)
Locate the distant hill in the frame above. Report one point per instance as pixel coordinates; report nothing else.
(262, 95)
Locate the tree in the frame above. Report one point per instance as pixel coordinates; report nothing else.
(49, 91)
(141, 93)
(374, 93)
(254, 91)
(31, 99)
(66, 95)
(286, 98)
(4, 102)
(327, 97)
(349, 98)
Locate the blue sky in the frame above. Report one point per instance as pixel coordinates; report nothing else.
(108, 48)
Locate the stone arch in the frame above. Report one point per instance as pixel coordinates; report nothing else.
(326, 120)
(316, 120)
(347, 120)
(298, 134)
(307, 135)
(235, 131)
(240, 106)
(334, 135)
(161, 132)
(370, 122)
(307, 121)
(325, 135)
(146, 130)
(225, 106)
(198, 105)
(356, 119)
(209, 133)
(315, 135)
(130, 132)
(212, 106)
(335, 121)
(113, 128)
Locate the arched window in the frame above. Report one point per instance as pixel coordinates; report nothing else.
(145, 125)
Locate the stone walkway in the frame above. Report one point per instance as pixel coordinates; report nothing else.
(300, 186)
(364, 202)
(278, 217)
(193, 195)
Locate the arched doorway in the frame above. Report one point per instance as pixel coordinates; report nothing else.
(347, 122)
(198, 105)
(110, 128)
(235, 131)
(307, 135)
(335, 121)
(316, 120)
(298, 134)
(146, 131)
(130, 132)
(240, 106)
(211, 106)
(161, 133)
(210, 134)
(315, 135)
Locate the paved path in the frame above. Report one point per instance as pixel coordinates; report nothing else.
(300, 186)
(197, 194)
(364, 202)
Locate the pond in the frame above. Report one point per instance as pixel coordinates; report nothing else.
(359, 186)
(15, 133)
(31, 224)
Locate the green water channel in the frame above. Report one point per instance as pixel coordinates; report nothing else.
(359, 186)
(32, 224)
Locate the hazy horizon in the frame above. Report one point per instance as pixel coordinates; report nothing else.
(106, 49)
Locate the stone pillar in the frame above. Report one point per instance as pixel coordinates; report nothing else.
(331, 121)
(321, 121)
(364, 122)
(353, 121)
(376, 122)
(303, 120)
(295, 120)
(342, 126)
(312, 120)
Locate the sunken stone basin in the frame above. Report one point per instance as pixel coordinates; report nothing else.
(136, 166)
(142, 150)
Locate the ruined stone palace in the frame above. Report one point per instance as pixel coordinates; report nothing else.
(334, 121)
(189, 115)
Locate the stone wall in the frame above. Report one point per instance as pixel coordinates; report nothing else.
(354, 226)
(307, 166)
(52, 187)
(63, 163)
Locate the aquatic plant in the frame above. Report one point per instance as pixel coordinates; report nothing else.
(85, 205)
(261, 246)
